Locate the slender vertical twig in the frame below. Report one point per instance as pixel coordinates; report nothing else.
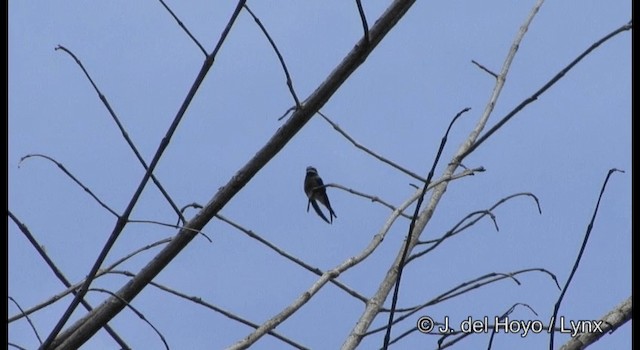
(579, 257)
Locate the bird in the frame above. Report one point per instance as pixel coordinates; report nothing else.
(315, 191)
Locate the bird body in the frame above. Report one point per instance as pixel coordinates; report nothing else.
(315, 190)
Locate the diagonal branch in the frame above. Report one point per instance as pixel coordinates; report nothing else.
(27, 317)
(368, 151)
(121, 223)
(275, 48)
(376, 302)
(123, 131)
(323, 280)
(199, 301)
(610, 322)
(545, 87)
(56, 271)
(64, 170)
(86, 326)
(184, 27)
(292, 258)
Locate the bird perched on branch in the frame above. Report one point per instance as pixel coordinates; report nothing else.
(315, 190)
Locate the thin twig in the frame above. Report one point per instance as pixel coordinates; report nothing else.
(198, 300)
(132, 221)
(324, 279)
(292, 258)
(579, 257)
(463, 288)
(28, 319)
(370, 152)
(75, 342)
(480, 214)
(82, 330)
(56, 271)
(504, 316)
(123, 131)
(544, 88)
(138, 313)
(485, 69)
(275, 48)
(363, 19)
(468, 172)
(64, 170)
(373, 308)
(184, 27)
(72, 288)
(412, 225)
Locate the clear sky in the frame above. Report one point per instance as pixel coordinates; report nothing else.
(398, 103)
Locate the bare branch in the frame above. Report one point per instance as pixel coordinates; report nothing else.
(35, 331)
(406, 251)
(376, 302)
(292, 258)
(485, 69)
(504, 316)
(74, 287)
(324, 279)
(96, 323)
(457, 229)
(460, 289)
(64, 170)
(123, 131)
(56, 271)
(275, 48)
(199, 301)
(370, 152)
(363, 19)
(132, 221)
(184, 27)
(138, 313)
(609, 323)
(579, 257)
(16, 346)
(545, 87)
(86, 326)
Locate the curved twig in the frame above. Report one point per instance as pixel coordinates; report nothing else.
(35, 331)
(363, 19)
(138, 313)
(199, 301)
(75, 342)
(56, 271)
(275, 48)
(457, 229)
(64, 170)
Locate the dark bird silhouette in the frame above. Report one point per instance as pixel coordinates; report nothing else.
(316, 192)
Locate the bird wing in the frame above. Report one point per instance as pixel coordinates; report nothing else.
(316, 207)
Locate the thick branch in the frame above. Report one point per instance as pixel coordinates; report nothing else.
(85, 327)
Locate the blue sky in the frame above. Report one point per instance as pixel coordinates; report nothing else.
(398, 103)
